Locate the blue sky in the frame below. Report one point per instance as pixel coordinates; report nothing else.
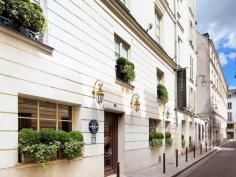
(218, 19)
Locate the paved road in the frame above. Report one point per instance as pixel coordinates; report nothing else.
(222, 164)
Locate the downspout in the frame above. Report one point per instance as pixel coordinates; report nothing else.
(176, 112)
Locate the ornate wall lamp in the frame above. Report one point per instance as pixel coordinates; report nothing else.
(98, 92)
(135, 102)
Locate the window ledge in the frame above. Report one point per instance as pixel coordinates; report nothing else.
(124, 84)
(30, 165)
(17, 35)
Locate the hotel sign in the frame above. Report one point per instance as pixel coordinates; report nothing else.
(181, 89)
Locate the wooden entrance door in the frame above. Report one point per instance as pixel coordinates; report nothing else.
(110, 143)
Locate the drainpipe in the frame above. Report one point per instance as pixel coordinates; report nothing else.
(176, 112)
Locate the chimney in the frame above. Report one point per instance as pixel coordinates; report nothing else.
(206, 35)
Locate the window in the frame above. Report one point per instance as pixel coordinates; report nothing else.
(230, 126)
(37, 115)
(229, 116)
(160, 77)
(121, 48)
(229, 95)
(229, 105)
(158, 17)
(191, 33)
(191, 67)
(152, 125)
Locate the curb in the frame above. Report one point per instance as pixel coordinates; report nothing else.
(194, 163)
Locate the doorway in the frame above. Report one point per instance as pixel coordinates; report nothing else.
(110, 143)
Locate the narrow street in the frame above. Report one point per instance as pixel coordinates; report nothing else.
(221, 165)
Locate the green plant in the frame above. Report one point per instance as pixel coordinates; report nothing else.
(25, 14)
(48, 135)
(130, 63)
(28, 137)
(129, 69)
(190, 142)
(121, 61)
(77, 136)
(167, 135)
(183, 142)
(2, 6)
(162, 93)
(72, 149)
(63, 136)
(168, 142)
(43, 152)
(156, 143)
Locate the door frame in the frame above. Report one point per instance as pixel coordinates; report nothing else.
(115, 117)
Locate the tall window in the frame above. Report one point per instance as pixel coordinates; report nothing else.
(158, 17)
(121, 48)
(229, 116)
(229, 95)
(37, 115)
(160, 76)
(229, 105)
(191, 67)
(153, 125)
(191, 32)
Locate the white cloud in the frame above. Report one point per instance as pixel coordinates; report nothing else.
(232, 55)
(223, 59)
(231, 41)
(232, 87)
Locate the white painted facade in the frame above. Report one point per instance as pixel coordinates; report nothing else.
(211, 95)
(231, 120)
(79, 51)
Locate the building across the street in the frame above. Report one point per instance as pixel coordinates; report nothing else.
(118, 71)
(231, 121)
(211, 89)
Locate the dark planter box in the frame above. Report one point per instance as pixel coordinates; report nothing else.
(25, 31)
(121, 74)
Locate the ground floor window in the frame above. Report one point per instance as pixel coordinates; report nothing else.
(37, 115)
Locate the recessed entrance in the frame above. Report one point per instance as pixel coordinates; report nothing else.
(110, 143)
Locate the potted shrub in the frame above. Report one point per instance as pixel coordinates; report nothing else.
(156, 139)
(162, 93)
(168, 139)
(24, 16)
(190, 142)
(125, 70)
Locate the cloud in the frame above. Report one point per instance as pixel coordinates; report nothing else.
(223, 59)
(218, 20)
(226, 58)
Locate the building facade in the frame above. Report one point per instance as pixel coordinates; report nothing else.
(211, 89)
(51, 84)
(231, 121)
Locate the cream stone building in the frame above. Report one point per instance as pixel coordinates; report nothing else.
(56, 79)
(211, 89)
(231, 121)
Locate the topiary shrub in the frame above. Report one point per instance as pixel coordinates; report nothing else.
(63, 136)
(121, 61)
(28, 136)
(156, 143)
(162, 93)
(168, 142)
(167, 135)
(125, 70)
(129, 69)
(77, 136)
(48, 135)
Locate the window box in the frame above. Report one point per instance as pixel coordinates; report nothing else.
(24, 17)
(125, 70)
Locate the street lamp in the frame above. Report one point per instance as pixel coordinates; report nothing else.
(135, 102)
(98, 92)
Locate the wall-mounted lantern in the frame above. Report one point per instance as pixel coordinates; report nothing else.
(98, 92)
(135, 102)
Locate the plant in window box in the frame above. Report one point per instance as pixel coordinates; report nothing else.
(162, 93)
(125, 70)
(168, 139)
(23, 16)
(156, 139)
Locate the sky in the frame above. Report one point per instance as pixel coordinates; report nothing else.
(218, 18)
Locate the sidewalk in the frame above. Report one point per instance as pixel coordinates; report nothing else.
(171, 169)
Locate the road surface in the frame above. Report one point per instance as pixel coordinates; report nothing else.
(222, 164)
